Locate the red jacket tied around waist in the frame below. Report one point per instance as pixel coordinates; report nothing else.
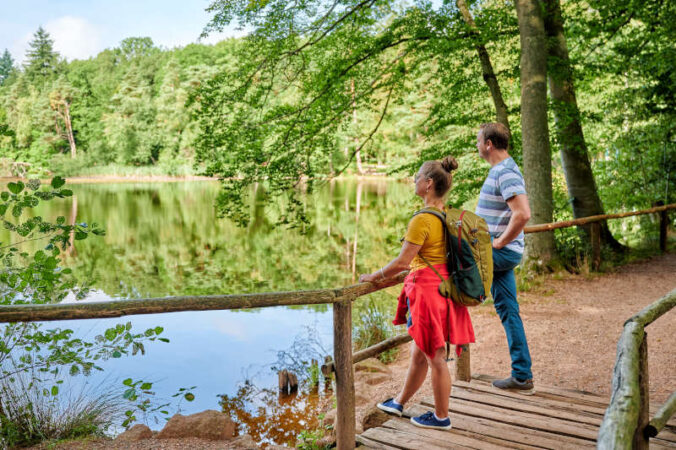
(435, 319)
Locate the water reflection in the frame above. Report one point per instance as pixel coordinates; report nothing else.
(165, 239)
(273, 418)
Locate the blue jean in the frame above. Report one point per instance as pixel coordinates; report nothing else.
(507, 307)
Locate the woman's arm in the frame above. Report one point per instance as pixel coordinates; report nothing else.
(398, 264)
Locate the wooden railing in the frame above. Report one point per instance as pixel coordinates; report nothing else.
(341, 298)
(626, 424)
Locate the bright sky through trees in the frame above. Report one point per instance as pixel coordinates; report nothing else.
(83, 28)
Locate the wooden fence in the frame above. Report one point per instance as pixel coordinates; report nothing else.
(341, 299)
(626, 424)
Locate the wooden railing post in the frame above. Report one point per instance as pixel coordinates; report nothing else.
(640, 438)
(663, 229)
(463, 370)
(596, 245)
(342, 355)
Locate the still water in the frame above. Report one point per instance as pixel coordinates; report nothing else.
(164, 239)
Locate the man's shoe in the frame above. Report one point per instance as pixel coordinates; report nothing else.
(390, 406)
(428, 420)
(512, 384)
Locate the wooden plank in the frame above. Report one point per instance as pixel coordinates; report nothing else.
(581, 397)
(405, 440)
(507, 432)
(451, 436)
(525, 405)
(565, 405)
(527, 420)
(372, 444)
(660, 444)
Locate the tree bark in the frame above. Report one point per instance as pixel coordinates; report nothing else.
(357, 155)
(69, 129)
(486, 68)
(574, 154)
(537, 161)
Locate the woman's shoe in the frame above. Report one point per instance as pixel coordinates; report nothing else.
(428, 420)
(392, 407)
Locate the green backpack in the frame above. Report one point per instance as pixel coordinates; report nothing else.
(470, 256)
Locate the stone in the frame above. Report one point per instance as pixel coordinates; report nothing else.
(374, 418)
(244, 441)
(377, 378)
(330, 417)
(210, 425)
(372, 365)
(136, 433)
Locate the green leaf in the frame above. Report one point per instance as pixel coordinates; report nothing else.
(117, 354)
(57, 182)
(3, 208)
(159, 330)
(15, 188)
(127, 382)
(55, 390)
(66, 192)
(146, 386)
(189, 396)
(4, 196)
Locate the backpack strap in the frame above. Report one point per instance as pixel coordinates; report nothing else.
(441, 217)
(452, 256)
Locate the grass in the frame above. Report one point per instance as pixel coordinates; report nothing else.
(31, 412)
(372, 326)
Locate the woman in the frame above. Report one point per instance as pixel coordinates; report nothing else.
(433, 320)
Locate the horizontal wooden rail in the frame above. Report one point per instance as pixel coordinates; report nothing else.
(118, 308)
(662, 416)
(369, 352)
(591, 219)
(624, 422)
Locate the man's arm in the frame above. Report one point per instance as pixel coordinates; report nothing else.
(520, 217)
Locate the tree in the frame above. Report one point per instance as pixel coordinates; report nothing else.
(584, 196)
(41, 59)
(6, 66)
(537, 158)
(60, 100)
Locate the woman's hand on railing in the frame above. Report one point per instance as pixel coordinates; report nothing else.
(370, 277)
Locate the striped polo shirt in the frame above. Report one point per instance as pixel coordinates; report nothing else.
(504, 181)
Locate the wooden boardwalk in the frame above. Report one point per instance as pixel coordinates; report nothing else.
(485, 418)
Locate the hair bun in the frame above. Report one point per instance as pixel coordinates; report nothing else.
(449, 164)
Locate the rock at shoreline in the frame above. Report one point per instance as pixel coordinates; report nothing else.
(244, 441)
(136, 433)
(374, 418)
(211, 425)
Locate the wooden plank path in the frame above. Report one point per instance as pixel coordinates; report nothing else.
(486, 418)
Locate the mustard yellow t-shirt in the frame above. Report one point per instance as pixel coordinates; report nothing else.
(427, 230)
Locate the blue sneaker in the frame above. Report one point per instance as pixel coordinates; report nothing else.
(428, 420)
(392, 407)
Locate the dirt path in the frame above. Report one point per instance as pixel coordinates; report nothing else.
(572, 325)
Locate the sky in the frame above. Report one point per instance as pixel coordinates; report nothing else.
(82, 28)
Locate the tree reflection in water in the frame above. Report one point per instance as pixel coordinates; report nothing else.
(272, 418)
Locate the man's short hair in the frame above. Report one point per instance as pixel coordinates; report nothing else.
(497, 133)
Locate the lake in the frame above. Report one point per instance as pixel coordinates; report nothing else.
(164, 239)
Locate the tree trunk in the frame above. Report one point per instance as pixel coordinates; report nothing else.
(69, 129)
(574, 155)
(486, 68)
(357, 155)
(537, 161)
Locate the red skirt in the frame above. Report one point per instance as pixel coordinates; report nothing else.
(434, 319)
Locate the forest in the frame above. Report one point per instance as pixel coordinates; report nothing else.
(320, 89)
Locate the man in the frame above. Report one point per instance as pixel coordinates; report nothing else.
(503, 203)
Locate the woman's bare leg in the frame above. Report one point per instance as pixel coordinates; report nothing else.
(415, 377)
(441, 382)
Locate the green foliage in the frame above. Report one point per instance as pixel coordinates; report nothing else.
(29, 350)
(143, 402)
(373, 325)
(33, 412)
(6, 66)
(41, 59)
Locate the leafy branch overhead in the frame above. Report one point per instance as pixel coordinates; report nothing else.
(283, 112)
